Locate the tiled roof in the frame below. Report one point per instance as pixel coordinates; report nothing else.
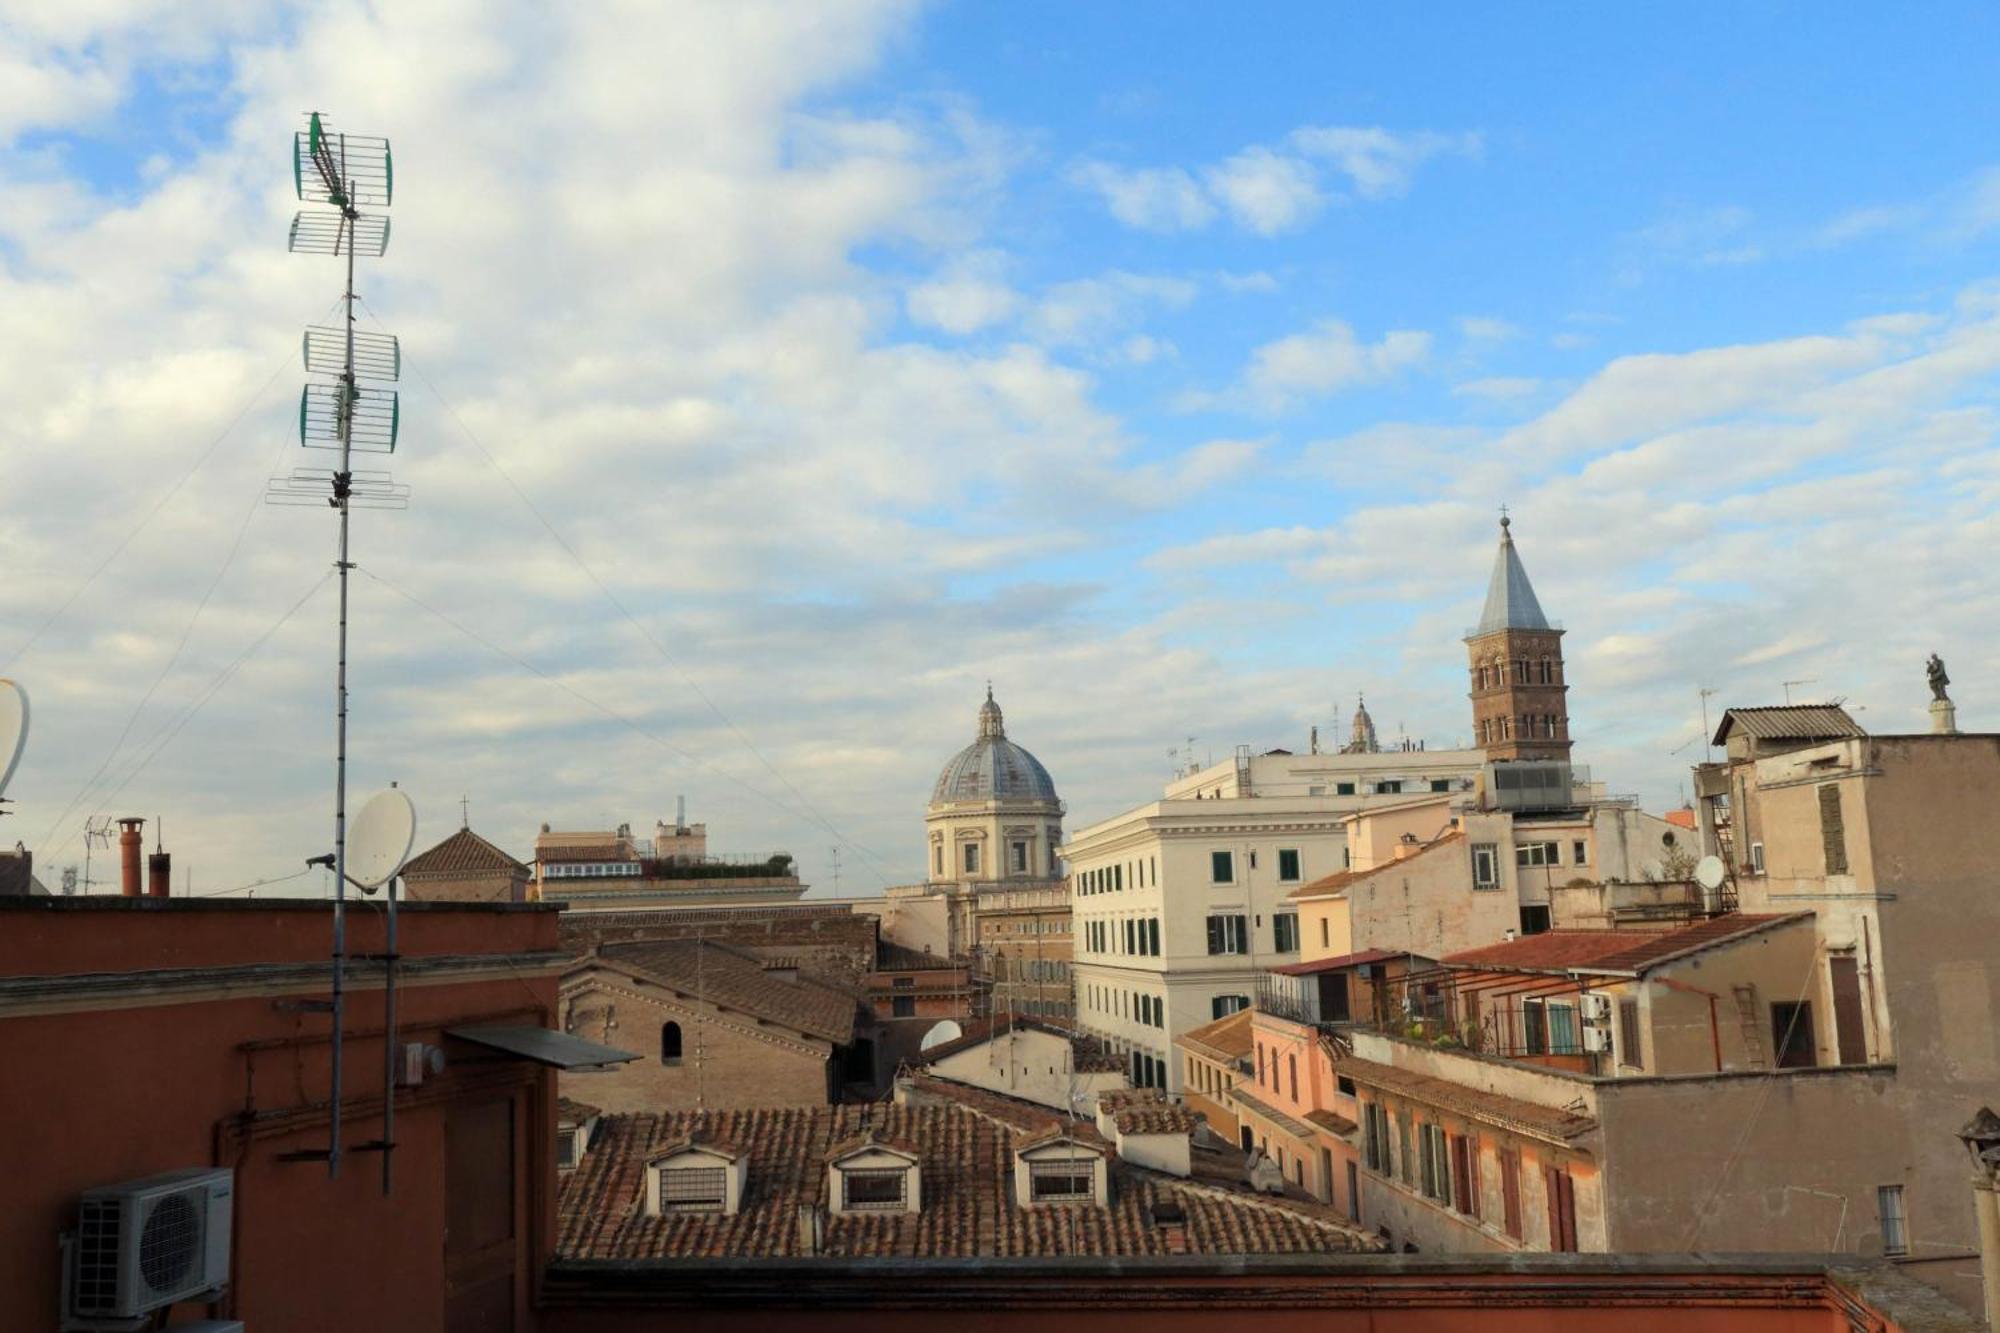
(1621, 951)
(1790, 722)
(1545, 1122)
(1320, 888)
(1087, 1054)
(1334, 964)
(1226, 1039)
(1014, 1113)
(968, 1206)
(572, 1112)
(893, 957)
(738, 980)
(609, 851)
(1331, 1123)
(1160, 1118)
(463, 853)
(1257, 1106)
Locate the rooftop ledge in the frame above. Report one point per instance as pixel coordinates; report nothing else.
(110, 902)
(1600, 1081)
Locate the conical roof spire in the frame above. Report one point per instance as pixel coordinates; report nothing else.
(1510, 598)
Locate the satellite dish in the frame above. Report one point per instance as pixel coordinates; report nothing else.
(379, 840)
(1708, 872)
(13, 729)
(949, 1030)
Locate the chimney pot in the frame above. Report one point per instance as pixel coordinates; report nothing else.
(129, 843)
(160, 874)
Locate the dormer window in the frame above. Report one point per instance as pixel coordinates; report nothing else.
(1060, 1182)
(695, 1177)
(1060, 1168)
(873, 1175)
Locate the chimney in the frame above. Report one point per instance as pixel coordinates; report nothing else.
(160, 874)
(809, 1229)
(680, 814)
(128, 855)
(1171, 1219)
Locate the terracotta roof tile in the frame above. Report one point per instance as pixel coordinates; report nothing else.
(1614, 950)
(969, 1210)
(1226, 1039)
(1165, 1118)
(1263, 1109)
(1546, 1122)
(464, 852)
(737, 980)
(1331, 1123)
(1318, 965)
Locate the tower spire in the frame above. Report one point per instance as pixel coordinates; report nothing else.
(1519, 691)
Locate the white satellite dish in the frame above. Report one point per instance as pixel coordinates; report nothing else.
(1709, 871)
(380, 838)
(13, 729)
(949, 1030)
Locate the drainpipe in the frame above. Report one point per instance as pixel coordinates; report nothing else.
(1982, 1140)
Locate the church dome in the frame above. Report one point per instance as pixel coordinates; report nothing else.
(993, 768)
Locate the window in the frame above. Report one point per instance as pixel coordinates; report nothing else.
(1792, 1033)
(1061, 1182)
(1131, 934)
(937, 859)
(903, 1006)
(1485, 865)
(1562, 1030)
(1534, 918)
(1562, 1209)
(1390, 787)
(1345, 1084)
(1465, 1174)
(1153, 936)
(1343, 789)
(971, 858)
(1832, 831)
(1434, 1165)
(1222, 1006)
(1020, 854)
(884, 1189)
(1323, 933)
(1288, 865)
(1285, 932)
(1222, 867)
(1537, 854)
(1579, 853)
(1259, 1048)
(1757, 858)
(1629, 1052)
(1534, 1028)
(670, 1043)
(693, 1189)
(1440, 784)
(1405, 1158)
(1510, 1191)
(1895, 1228)
(1228, 934)
(1375, 1140)
(565, 1149)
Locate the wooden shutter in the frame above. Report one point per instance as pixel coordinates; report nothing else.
(1461, 1173)
(1562, 1208)
(1845, 976)
(1510, 1191)
(1832, 831)
(1215, 934)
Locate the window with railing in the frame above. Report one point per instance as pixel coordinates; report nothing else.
(875, 1189)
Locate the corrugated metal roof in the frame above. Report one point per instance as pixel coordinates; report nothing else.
(1788, 722)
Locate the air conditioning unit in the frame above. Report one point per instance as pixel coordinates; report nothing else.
(1596, 1039)
(147, 1244)
(1596, 1008)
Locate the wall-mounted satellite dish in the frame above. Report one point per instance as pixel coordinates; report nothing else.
(379, 840)
(1708, 872)
(949, 1030)
(13, 729)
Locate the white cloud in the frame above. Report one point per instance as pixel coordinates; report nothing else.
(1090, 310)
(1498, 388)
(1486, 328)
(1380, 163)
(1265, 193)
(1152, 199)
(970, 295)
(1326, 359)
(1268, 190)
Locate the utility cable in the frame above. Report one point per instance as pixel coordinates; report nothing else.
(134, 530)
(805, 804)
(636, 727)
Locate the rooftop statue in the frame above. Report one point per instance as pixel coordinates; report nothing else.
(1934, 669)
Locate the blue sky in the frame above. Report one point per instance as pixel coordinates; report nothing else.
(1166, 364)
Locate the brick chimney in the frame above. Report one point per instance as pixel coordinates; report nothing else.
(160, 873)
(128, 854)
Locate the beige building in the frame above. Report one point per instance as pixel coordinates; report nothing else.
(616, 870)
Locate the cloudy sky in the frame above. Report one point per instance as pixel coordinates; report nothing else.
(776, 374)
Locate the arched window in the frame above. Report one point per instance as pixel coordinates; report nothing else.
(1548, 672)
(670, 1043)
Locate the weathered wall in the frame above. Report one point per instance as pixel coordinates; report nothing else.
(836, 941)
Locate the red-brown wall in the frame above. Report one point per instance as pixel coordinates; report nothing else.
(116, 1080)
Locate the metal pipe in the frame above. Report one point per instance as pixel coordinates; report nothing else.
(341, 481)
(389, 1046)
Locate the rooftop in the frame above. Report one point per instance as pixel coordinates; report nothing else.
(1510, 598)
(1620, 952)
(1546, 1122)
(1087, 1054)
(735, 979)
(1226, 1039)
(968, 1207)
(1335, 883)
(463, 853)
(1788, 722)
(1340, 961)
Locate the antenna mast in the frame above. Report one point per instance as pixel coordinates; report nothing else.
(345, 171)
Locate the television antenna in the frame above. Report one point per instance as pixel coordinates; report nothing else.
(1707, 742)
(96, 833)
(13, 732)
(1804, 680)
(346, 173)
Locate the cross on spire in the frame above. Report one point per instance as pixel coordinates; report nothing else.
(464, 812)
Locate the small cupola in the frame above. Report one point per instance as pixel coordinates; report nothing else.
(695, 1175)
(1060, 1167)
(874, 1174)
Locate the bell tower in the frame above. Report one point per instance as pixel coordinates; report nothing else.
(1519, 708)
